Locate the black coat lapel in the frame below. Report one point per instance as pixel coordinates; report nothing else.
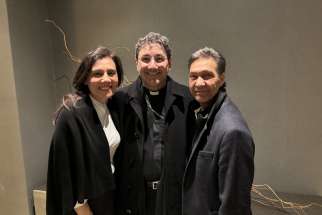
(90, 116)
(215, 108)
(115, 114)
(137, 103)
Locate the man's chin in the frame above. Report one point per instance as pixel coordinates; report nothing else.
(154, 85)
(201, 100)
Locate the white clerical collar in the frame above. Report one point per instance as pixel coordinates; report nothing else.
(154, 93)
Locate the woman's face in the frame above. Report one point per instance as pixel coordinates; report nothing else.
(103, 80)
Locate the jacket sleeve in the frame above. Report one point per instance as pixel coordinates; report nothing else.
(60, 198)
(236, 173)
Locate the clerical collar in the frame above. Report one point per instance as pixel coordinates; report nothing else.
(151, 93)
(154, 93)
(155, 100)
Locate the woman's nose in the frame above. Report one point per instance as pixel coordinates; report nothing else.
(106, 77)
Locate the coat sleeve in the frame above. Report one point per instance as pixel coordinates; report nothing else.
(60, 198)
(236, 173)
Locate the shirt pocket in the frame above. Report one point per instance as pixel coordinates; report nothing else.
(204, 169)
(206, 155)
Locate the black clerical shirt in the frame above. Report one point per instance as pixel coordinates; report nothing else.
(153, 145)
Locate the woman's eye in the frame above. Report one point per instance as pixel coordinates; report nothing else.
(97, 74)
(111, 72)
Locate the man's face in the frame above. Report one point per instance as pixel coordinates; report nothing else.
(153, 66)
(204, 81)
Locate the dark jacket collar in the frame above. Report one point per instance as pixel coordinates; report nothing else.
(219, 99)
(86, 108)
(174, 92)
(213, 109)
(136, 89)
(221, 95)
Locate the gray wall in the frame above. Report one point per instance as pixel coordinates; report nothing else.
(273, 53)
(32, 69)
(13, 192)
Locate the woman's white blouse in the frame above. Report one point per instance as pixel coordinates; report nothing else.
(111, 133)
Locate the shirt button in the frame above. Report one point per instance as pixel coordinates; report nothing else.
(136, 135)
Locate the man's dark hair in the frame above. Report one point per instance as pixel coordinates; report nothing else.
(209, 53)
(151, 38)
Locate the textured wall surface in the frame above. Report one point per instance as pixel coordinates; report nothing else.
(32, 70)
(13, 191)
(273, 51)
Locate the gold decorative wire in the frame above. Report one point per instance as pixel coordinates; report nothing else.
(276, 202)
(78, 60)
(73, 58)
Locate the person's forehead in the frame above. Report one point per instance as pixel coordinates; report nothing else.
(104, 62)
(203, 63)
(152, 48)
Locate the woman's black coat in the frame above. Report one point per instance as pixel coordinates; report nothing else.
(79, 164)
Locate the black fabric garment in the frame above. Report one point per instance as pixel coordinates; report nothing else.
(220, 169)
(150, 201)
(79, 164)
(103, 205)
(131, 193)
(156, 99)
(200, 118)
(153, 144)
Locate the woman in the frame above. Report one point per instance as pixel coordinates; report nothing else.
(80, 169)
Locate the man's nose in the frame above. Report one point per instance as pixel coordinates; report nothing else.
(200, 81)
(152, 64)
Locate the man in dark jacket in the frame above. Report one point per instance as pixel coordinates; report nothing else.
(220, 168)
(150, 164)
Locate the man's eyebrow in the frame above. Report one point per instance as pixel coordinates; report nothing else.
(201, 71)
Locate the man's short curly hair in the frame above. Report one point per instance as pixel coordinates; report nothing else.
(151, 38)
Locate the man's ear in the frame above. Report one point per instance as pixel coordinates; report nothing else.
(170, 64)
(222, 79)
(222, 76)
(137, 65)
